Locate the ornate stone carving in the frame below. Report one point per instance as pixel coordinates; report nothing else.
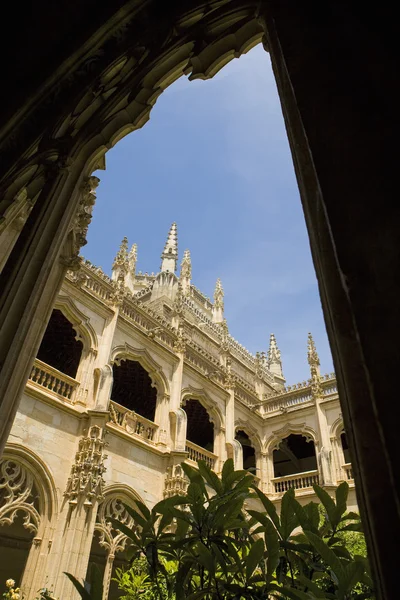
(218, 295)
(176, 481)
(180, 342)
(229, 382)
(18, 494)
(110, 538)
(86, 479)
(313, 361)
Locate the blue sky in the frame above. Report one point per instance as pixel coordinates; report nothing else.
(214, 157)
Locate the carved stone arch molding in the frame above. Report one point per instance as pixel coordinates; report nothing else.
(111, 539)
(110, 88)
(28, 487)
(144, 358)
(214, 412)
(290, 428)
(80, 322)
(251, 432)
(337, 428)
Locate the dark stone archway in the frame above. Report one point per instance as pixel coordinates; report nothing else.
(69, 97)
(60, 348)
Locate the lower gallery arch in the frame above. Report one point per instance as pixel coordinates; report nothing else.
(108, 550)
(27, 505)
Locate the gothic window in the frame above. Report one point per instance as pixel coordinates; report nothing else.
(345, 447)
(295, 454)
(249, 454)
(200, 430)
(133, 389)
(60, 348)
(109, 544)
(19, 518)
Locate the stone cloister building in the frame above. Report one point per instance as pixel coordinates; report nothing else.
(135, 374)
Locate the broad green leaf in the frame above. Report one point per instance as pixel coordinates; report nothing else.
(254, 557)
(312, 586)
(352, 527)
(137, 516)
(211, 478)
(269, 507)
(84, 594)
(289, 520)
(326, 554)
(329, 505)
(130, 533)
(342, 492)
(273, 549)
(143, 509)
(303, 518)
(227, 469)
(96, 583)
(294, 594)
(352, 575)
(312, 512)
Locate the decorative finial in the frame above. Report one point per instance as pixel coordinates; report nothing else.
(313, 358)
(186, 266)
(219, 295)
(133, 258)
(274, 361)
(169, 257)
(122, 254)
(313, 361)
(218, 307)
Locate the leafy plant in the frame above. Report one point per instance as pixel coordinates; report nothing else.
(206, 545)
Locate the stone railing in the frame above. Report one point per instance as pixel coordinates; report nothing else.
(132, 423)
(53, 381)
(348, 469)
(299, 481)
(288, 400)
(197, 453)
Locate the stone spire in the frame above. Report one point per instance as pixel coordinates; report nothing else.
(169, 257)
(274, 361)
(313, 361)
(121, 262)
(218, 308)
(132, 260)
(186, 273)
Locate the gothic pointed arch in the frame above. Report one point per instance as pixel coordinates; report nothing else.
(210, 405)
(144, 358)
(109, 543)
(290, 428)
(79, 321)
(251, 431)
(28, 507)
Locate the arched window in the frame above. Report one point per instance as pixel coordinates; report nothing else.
(345, 447)
(295, 455)
(108, 550)
(133, 389)
(19, 518)
(249, 454)
(200, 430)
(60, 348)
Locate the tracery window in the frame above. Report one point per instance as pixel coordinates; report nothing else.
(20, 518)
(109, 545)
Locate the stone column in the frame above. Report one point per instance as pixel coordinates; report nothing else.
(177, 414)
(103, 372)
(84, 492)
(47, 246)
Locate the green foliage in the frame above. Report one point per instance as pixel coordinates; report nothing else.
(204, 545)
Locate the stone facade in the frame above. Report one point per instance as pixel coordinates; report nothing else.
(137, 373)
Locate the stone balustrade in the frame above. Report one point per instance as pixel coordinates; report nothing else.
(132, 423)
(298, 481)
(348, 469)
(55, 382)
(197, 453)
(288, 400)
